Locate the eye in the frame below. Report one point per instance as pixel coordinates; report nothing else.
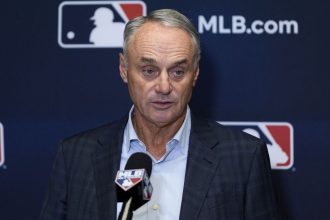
(149, 72)
(177, 73)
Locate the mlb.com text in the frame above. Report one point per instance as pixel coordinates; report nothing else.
(239, 25)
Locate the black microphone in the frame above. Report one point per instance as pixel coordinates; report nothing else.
(133, 184)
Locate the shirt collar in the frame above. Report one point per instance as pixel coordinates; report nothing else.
(179, 136)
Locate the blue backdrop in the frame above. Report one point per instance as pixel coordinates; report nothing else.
(270, 56)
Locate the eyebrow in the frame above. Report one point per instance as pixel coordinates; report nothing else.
(183, 61)
(148, 60)
(153, 61)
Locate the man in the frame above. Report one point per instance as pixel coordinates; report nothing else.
(201, 170)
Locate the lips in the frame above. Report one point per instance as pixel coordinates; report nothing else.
(162, 105)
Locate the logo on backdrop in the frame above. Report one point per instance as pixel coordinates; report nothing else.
(2, 147)
(278, 137)
(238, 24)
(95, 24)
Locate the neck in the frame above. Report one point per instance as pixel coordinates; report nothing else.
(156, 136)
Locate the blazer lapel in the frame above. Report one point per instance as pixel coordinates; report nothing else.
(106, 161)
(202, 163)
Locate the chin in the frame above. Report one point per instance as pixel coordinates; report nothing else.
(162, 119)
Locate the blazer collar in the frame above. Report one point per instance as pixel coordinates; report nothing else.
(202, 163)
(106, 161)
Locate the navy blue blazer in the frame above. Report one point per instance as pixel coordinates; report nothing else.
(227, 176)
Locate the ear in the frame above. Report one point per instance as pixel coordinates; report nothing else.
(196, 74)
(122, 68)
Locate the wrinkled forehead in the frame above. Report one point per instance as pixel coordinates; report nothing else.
(161, 34)
(157, 41)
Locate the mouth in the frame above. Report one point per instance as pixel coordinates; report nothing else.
(162, 105)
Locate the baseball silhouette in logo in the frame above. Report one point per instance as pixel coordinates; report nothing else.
(276, 154)
(105, 32)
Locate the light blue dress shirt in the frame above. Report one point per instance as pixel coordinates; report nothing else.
(167, 175)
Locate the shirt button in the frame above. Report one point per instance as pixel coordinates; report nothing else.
(155, 207)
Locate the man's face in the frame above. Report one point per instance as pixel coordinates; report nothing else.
(161, 73)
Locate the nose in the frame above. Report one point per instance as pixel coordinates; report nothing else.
(164, 85)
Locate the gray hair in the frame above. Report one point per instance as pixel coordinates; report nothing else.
(168, 18)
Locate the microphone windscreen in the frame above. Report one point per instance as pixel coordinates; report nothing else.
(139, 161)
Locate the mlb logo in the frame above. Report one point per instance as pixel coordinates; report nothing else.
(2, 147)
(278, 137)
(126, 179)
(95, 24)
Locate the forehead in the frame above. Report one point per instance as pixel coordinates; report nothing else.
(154, 39)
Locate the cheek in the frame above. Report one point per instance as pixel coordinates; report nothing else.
(184, 93)
(186, 97)
(138, 91)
